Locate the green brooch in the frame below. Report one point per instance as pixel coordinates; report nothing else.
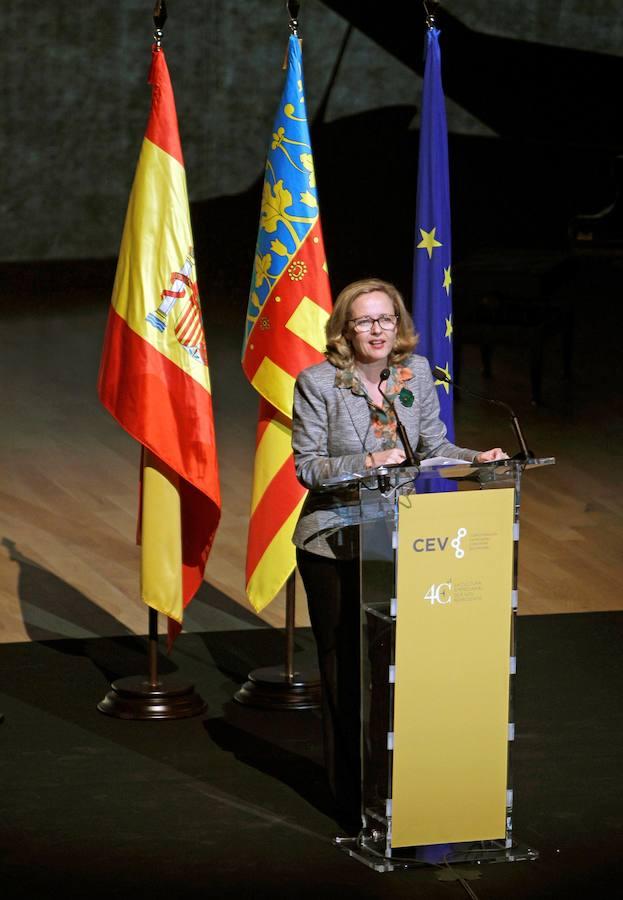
(406, 397)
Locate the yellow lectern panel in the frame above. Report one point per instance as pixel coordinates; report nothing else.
(455, 559)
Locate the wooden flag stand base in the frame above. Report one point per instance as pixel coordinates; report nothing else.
(152, 697)
(276, 687)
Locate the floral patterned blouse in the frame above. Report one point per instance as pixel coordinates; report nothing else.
(383, 419)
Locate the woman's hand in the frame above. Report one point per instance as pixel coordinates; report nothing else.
(490, 455)
(392, 457)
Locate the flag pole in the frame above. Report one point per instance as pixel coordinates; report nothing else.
(283, 687)
(153, 646)
(151, 696)
(290, 618)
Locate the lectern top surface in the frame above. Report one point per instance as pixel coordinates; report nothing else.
(499, 470)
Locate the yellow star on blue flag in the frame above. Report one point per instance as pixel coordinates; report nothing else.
(429, 242)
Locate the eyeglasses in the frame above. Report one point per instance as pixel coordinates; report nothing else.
(386, 322)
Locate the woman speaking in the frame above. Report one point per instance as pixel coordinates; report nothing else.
(343, 423)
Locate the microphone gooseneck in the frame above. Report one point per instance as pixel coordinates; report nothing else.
(524, 453)
(410, 458)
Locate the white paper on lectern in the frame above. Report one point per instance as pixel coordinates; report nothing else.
(442, 461)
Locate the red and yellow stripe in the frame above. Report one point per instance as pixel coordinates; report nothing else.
(288, 336)
(275, 507)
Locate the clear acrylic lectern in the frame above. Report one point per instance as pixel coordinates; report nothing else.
(430, 725)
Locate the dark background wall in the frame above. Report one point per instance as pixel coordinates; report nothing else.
(77, 98)
(532, 88)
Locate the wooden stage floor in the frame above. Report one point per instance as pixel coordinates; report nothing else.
(68, 560)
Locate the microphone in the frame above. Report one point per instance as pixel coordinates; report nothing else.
(410, 459)
(524, 453)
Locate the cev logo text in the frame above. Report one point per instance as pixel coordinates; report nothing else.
(439, 544)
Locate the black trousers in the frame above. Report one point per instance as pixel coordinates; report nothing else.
(332, 588)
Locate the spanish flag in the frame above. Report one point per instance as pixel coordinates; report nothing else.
(154, 376)
(289, 304)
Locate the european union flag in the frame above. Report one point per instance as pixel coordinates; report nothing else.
(432, 274)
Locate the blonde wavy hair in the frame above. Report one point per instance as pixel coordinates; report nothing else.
(339, 350)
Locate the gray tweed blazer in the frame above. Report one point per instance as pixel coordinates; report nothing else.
(331, 436)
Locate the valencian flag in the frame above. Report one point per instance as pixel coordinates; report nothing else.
(154, 375)
(289, 304)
